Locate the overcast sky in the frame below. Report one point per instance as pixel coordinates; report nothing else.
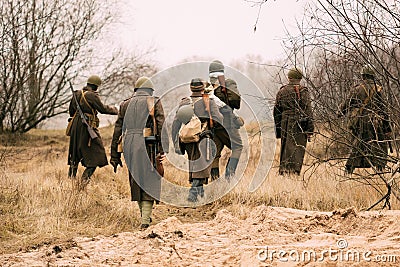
(209, 29)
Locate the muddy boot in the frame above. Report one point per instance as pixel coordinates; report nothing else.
(147, 208)
(72, 171)
(231, 168)
(214, 174)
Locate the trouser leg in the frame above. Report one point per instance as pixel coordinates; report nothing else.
(214, 174)
(73, 169)
(219, 145)
(231, 167)
(196, 189)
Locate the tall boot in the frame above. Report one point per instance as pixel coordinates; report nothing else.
(147, 208)
(88, 173)
(231, 168)
(214, 174)
(73, 169)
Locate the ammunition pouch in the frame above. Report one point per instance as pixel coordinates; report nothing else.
(92, 120)
(69, 126)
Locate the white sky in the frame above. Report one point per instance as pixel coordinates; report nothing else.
(209, 29)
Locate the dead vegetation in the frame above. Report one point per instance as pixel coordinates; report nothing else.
(40, 205)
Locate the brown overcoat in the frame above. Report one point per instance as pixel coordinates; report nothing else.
(293, 122)
(133, 116)
(90, 152)
(371, 125)
(198, 167)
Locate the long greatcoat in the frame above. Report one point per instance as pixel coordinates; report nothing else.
(133, 117)
(199, 167)
(293, 121)
(90, 152)
(371, 127)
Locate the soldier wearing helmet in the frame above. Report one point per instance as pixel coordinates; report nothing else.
(293, 122)
(368, 123)
(226, 95)
(203, 107)
(82, 149)
(139, 125)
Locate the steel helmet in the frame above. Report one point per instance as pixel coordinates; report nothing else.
(185, 113)
(144, 82)
(367, 69)
(295, 73)
(216, 66)
(95, 80)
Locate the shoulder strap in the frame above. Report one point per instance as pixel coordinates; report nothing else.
(206, 100)
(87, 103)
(150, 106)
(367, 99)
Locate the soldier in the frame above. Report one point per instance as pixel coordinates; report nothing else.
(368, 123)
(226, 134)
(140, 118)
(82, 148)
(207, 111)
(293, 122)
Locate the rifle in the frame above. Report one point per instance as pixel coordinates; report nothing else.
(221, 80)
(92, 133)
(154, 140)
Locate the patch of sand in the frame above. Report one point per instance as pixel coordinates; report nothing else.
(229, 241)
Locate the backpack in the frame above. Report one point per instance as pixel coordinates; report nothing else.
(230, 95)
(191, 131)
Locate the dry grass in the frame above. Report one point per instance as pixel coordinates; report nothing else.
(39, 204)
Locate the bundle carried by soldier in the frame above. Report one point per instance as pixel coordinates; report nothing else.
(193, 129)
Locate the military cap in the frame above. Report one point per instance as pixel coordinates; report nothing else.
(197, 85)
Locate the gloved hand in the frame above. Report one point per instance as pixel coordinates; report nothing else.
(115, 162)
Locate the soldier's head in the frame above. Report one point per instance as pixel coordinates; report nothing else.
(215, 69)
(367, 72)
(144, 84)
(93, 82)
(295, 75)
(197, 86)
(216, 66)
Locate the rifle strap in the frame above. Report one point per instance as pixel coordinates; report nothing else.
(150, 106)
(206, 100)
(297, 90)
(87, 103)
(367, 99)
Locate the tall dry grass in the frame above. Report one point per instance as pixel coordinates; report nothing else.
(40, 204)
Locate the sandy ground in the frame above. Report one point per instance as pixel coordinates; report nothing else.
(301, 238)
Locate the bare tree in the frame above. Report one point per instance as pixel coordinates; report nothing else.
(43, 45)
(336, 38)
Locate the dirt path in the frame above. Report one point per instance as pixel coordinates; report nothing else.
(365, 239)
